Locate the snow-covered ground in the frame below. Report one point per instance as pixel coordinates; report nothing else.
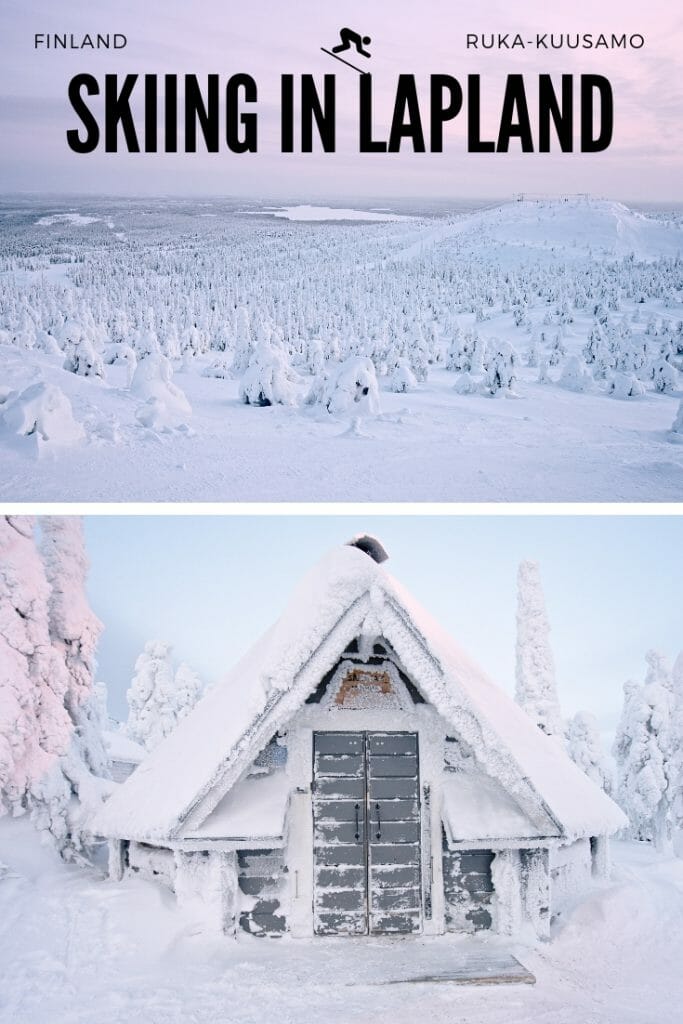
(75, 949)
(223, 294)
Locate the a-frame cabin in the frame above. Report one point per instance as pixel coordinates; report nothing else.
(357, 774)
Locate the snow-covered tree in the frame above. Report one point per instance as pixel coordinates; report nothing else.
(664, 376)
(243, 342)
(625, 385)
(677, 733)
(677, 425)
(575, 375)
(544, 372)
(165, 406)
(351, 388)
(81, 356)
(501, 367)
(557, 350)
(584, 746)
(51, 751)
(43, 683)
(158, 698)
(535, 690)
(34, 725)
(63, 799)
(269, 379)
(646, 756)
(623, 740)
(532, 354)
(402, 377)
(74, 630)
(188, 688)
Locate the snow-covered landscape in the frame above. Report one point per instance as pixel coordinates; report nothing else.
(141, 862)
(217, 350)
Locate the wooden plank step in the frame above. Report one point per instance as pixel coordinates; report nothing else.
(477, 969)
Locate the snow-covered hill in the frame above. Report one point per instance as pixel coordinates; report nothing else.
(570, 228)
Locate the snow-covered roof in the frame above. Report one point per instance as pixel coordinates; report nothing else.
(475, 807)
(345, 595)
(122, 748)
(255, 808)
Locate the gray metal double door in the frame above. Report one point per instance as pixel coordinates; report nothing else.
(366, 833)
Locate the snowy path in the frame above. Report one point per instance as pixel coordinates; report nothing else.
(76, 950)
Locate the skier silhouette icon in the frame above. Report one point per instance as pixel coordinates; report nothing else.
(349, 38)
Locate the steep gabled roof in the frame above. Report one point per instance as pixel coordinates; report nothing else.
(347, 593)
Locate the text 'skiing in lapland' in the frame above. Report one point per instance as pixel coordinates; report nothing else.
(567, 113)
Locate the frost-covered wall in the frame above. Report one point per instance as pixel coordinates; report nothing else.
(152, 862)
(536, 886)
(206, 885)
(468, 889)
(262, 891)
(571, 872)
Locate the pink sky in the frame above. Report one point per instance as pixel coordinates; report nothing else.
(265, 38)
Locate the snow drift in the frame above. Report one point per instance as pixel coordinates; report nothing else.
(41, 411)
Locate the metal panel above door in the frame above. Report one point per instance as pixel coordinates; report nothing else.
(366, 827)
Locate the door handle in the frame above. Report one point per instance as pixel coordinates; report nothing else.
(378, 834)
(357, 823)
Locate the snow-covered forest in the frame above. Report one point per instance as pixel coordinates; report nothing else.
(248, 356)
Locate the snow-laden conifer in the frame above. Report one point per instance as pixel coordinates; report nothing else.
(536, 689)
(646, 753)
(584, 746)
(159, 697)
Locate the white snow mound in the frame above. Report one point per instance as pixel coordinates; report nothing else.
(41, 410)
(352, 388)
